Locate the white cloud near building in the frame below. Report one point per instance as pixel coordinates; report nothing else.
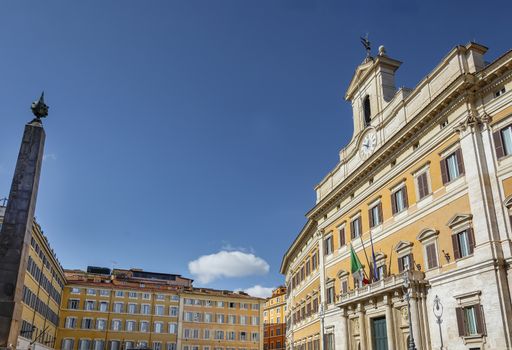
(208, 268)
(259, 291)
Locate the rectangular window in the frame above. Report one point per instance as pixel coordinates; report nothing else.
(431, 252)
(132, 295)
(132, 308)
(159, 310)
(119, 293)
(171, 346)
(375, 215)
(73, 304)
(422, 185)
(470, 320)
(144, 326)
(452, 166)
(328, 248)
(342, 236)
(101, 324)
(355, 228)
(463, 243)
(103, 306)
(70, 322)
(90, 305)
(344, 286)
(159, 327)
(405, 263)
(503, 141)
(314, 261)
(330, 295)
(399, 200)
(118, 307)
(173, 328)
(173, 311)
(145, 309)
(130, 326)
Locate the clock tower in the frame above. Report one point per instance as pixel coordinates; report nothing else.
(371, 89)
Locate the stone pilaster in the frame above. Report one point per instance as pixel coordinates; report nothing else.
(362, 327)
(16, 232)
(390, 325)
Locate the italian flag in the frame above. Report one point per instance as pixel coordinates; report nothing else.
(357, 268)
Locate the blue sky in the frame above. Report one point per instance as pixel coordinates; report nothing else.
(193, 132)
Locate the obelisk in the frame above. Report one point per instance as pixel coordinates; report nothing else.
(16, 231)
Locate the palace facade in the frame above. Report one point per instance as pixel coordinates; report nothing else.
(42, 293)
(135, 309)
(274, 320)
(423, 195)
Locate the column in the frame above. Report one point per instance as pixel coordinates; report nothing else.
(415, 320)
(390, 325)
(344, 331)
(362, 326)
(16, 231)
(319, 236)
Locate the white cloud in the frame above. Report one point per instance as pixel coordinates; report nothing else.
(259, 291)
(208, 268)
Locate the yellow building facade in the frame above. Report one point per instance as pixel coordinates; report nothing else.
(220, 320)
(42, 293)
(135, 309)
(422, 195)
(274, 320)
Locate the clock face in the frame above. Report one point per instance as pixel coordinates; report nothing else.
(368, 144)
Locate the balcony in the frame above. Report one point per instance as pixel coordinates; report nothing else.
(384, 286)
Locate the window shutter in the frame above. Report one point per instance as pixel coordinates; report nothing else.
(342, 237)
(393, 202)
(411, 262)
(460, 321)
(471, 238)
(444, 171)
(370, 215)
(425, 183)
(360, 224)
(381, 218)
(460, 161)
(352, 229)
(400, 265)
(419, 181)
(480, 320)
(404, 193)
(431, 255)
(498, 144)
(455, 243)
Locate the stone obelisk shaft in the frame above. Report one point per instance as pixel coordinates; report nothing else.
(16, 231)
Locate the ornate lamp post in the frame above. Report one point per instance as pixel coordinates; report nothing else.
(406, 285)
(438, 313)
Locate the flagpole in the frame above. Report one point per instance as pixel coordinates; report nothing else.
(364, 250)
(374, 262)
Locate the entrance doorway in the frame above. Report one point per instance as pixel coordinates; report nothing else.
(379, 334)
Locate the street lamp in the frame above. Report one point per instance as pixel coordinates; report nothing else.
(406, 285)
(322, 316)
(438, 313)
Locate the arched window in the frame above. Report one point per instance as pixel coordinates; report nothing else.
(367, 111)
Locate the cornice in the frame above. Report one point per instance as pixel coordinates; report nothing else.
(446, 101)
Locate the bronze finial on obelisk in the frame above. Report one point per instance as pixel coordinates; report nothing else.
(16, 231)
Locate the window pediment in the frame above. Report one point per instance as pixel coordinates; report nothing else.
(426, 234)
(403, 245)
(459, 219)
(380, 256)
(329, 281)
(342, 273)
(508, 202)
